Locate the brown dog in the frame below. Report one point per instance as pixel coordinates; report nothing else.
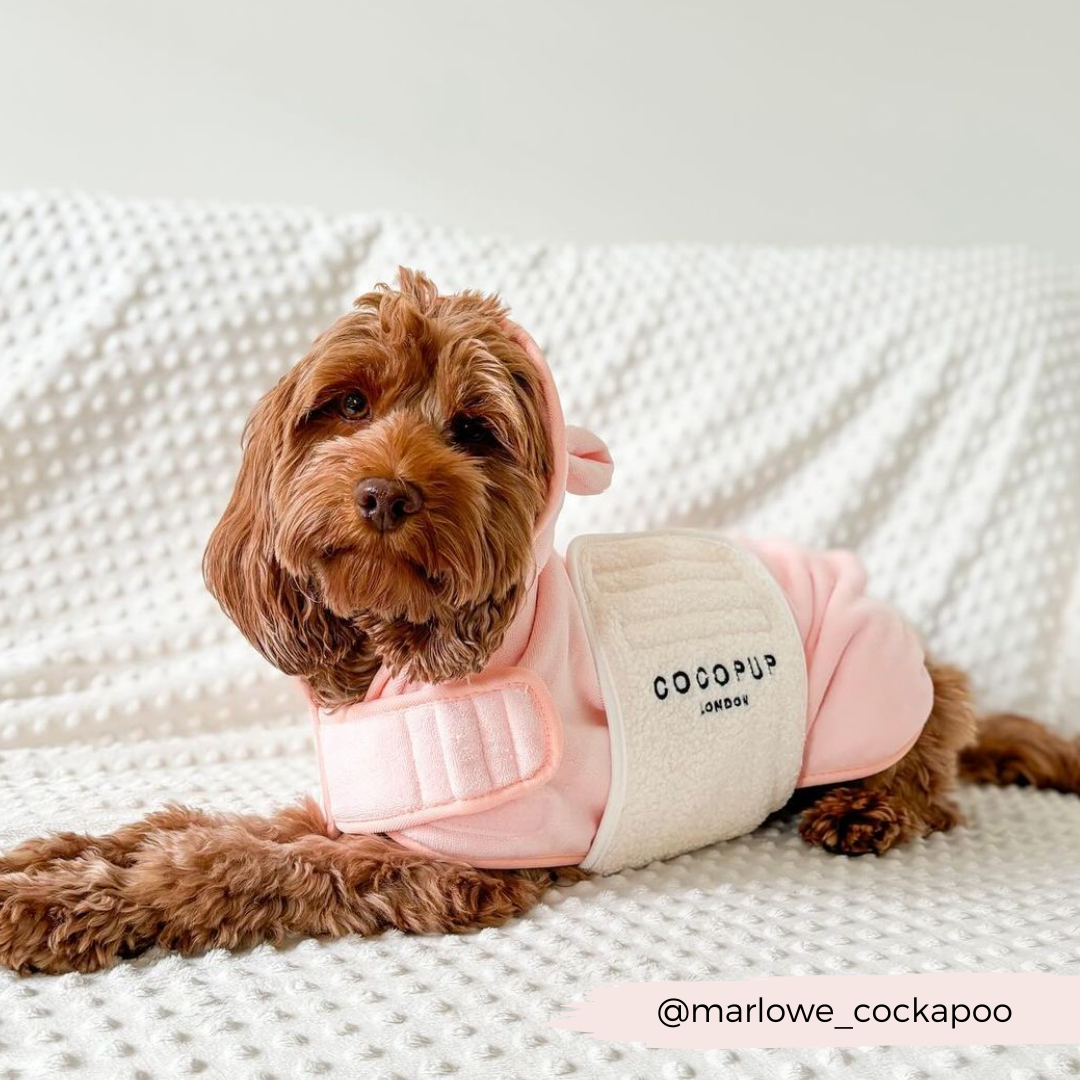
(310, 563)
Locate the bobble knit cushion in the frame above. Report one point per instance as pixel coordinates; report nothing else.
(922, 407)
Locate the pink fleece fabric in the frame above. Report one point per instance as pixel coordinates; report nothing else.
(521, 778)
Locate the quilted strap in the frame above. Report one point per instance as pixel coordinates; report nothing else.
(457, 748)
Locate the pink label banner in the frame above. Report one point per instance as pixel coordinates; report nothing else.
(937, 1009)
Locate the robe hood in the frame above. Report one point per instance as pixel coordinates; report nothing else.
(582, 462)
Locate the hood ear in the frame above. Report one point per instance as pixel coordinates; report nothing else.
(294, 632)
(582, 461)
(590, 467)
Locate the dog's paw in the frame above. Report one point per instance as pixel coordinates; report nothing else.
(67, 916)
(36, 854)
(43, 851)
(853, 821)
(119, 847)
(1011, 767)
(941, 816)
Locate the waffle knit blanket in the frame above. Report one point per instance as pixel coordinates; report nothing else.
(919, 407)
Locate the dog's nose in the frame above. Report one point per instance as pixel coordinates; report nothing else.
(385, 504)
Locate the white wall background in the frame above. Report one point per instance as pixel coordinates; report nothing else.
(757, 120)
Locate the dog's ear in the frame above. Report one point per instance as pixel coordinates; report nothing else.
(462, 640)
(291, 629)
(476, 631)
(453, 646)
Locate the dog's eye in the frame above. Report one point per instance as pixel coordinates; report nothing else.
(354, 406)
(472, 433)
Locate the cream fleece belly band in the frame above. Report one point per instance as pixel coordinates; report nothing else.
(703, 675)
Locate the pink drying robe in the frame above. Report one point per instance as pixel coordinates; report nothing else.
(512, 768)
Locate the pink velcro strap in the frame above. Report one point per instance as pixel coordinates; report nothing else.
(397, 762)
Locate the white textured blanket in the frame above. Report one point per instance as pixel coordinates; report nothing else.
(923, 407)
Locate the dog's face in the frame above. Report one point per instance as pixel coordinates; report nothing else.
(388, 495)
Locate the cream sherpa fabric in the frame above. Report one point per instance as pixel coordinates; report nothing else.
(655, 604)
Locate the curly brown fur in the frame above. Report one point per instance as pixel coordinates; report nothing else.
(1012, 749)
(909, 799)
(453, 407)
(434, 394)
(191, 881)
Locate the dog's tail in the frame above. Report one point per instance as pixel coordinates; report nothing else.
(1011, 749)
